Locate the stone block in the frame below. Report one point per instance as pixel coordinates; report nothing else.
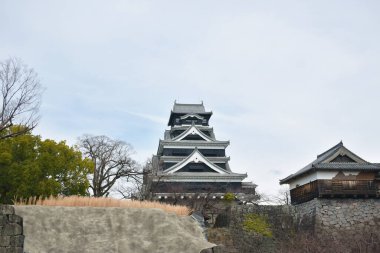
(15, 219)
(12, 229)
(3, 220)
(7, 209)
(5, 241)
(202, 251)
(13, 250)
(18, 250)
(17, 240)
(219, 249)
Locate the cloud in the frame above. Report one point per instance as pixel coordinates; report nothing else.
(285, 80)
(149, 117)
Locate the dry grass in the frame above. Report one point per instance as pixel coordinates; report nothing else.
(104, 202)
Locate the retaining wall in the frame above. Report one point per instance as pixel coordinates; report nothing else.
(336, 215)
(279, 219)
(11, 231)
(329, 219)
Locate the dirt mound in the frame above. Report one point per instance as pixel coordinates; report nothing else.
(95, 229)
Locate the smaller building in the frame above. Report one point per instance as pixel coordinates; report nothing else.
(336, 173)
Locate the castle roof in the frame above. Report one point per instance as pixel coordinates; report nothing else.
(196, 156)
(192, 144)
(193, 130)
(202, 177)
(188, 108)
(336, 158)
(191, 109)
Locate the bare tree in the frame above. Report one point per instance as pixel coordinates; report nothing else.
(131, 189)
(150, 173)
(20, 98)
(281, 198)
(111, 160)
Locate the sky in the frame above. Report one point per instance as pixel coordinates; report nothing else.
(285, 80)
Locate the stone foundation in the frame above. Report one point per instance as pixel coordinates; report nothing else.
(332, 221)
(335, 215)
(11, 231)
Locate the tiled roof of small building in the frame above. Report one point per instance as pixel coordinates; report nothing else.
(347, 166)
(320, 164)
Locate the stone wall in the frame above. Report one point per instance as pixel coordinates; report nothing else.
(304, 215)
(11, 231)
(338, 218)
(277, 219)
(336, 215)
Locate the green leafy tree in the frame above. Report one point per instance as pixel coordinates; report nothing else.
(32, 167)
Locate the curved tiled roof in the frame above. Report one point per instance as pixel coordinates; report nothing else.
(196, 131)
(347, 166)
(183, 109)
(323, 163)
(197, 155)
(188, 108)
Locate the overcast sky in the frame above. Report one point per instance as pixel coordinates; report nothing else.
(286, 80)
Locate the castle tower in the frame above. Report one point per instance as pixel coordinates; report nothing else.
(190, 161)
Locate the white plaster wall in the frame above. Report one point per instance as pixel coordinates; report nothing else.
(354, 173)
(303, 180)
(326, 174)
(318, 175)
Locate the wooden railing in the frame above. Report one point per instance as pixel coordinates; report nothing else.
(348, 187)
(304, 192)
(335, 188)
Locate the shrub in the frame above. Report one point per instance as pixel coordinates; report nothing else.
(258, 224)
(229, 196)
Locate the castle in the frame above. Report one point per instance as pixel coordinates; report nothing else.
(191, 162)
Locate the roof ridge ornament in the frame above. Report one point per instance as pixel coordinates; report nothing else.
(340, 144)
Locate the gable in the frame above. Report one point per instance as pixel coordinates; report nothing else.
(343, 155)
(193, 137)
(196, 167)
(342, 159)
(192, 133)
(196, 157)
(192, 117)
